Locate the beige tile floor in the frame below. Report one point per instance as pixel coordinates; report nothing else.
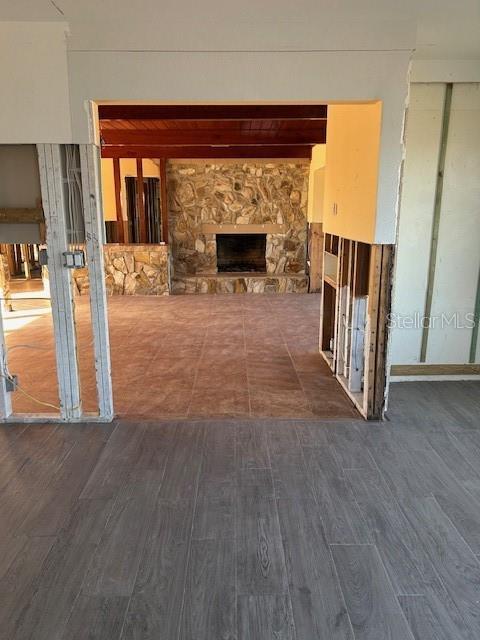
(189, 357)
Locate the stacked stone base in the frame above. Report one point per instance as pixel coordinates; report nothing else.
(131, 270)
(240, 284)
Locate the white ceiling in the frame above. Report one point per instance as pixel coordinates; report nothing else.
(437, 29)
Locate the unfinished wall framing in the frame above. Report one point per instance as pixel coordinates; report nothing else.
(71, 220)
(354, 309)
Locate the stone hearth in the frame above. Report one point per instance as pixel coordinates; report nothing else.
(233, 197)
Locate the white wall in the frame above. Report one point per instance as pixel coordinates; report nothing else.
(254, 77)
(19, 176)
(458, 256)
(34, 83)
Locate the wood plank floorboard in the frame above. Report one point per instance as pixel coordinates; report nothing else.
(155, 606)
(318, 605)
(371, 603)
(271, 529)
(209, 607)
(269, 616)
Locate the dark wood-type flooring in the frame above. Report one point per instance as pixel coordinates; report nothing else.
(241, 529)
(194, 356)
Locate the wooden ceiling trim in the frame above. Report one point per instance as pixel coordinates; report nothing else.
(211, 112)
(199, 151)
(213, 136)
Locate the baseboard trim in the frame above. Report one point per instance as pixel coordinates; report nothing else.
(434, 369)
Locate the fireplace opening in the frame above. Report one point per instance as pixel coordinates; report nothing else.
(241, 252)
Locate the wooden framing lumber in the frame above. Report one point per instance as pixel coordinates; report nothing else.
(21, 216)
(92, 209)
(61, 288)
(5, 397)
(316, 256)
(360, 304)
(379, 297)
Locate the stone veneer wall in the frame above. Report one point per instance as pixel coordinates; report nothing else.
(242, 193)
(131, 269)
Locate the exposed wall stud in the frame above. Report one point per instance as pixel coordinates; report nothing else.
(92, 208)
(55, 209)
(5, 397)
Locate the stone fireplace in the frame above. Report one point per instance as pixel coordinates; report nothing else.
(243, 252)
(238, 226)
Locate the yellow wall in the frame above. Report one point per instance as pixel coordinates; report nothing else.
(108, 190)
(316, 184)
(128, 167)
(351, 175)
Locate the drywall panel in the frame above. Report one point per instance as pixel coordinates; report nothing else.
(34, 83)
(20, 233)
(351, 173)
(423, 130)
(446, 70)
(19, 176)
(458, 256)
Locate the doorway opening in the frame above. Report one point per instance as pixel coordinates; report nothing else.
(233, 191)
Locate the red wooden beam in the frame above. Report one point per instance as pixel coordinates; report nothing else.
(211, 112)
(237, 151)
(192, 137)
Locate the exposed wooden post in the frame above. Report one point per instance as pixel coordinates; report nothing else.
(316, 256)
(379, 298)
(92, 210)
(55, 209)
(10, 259)
(140, 201)
(164, 199)
(118, 200)
(26, 261)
